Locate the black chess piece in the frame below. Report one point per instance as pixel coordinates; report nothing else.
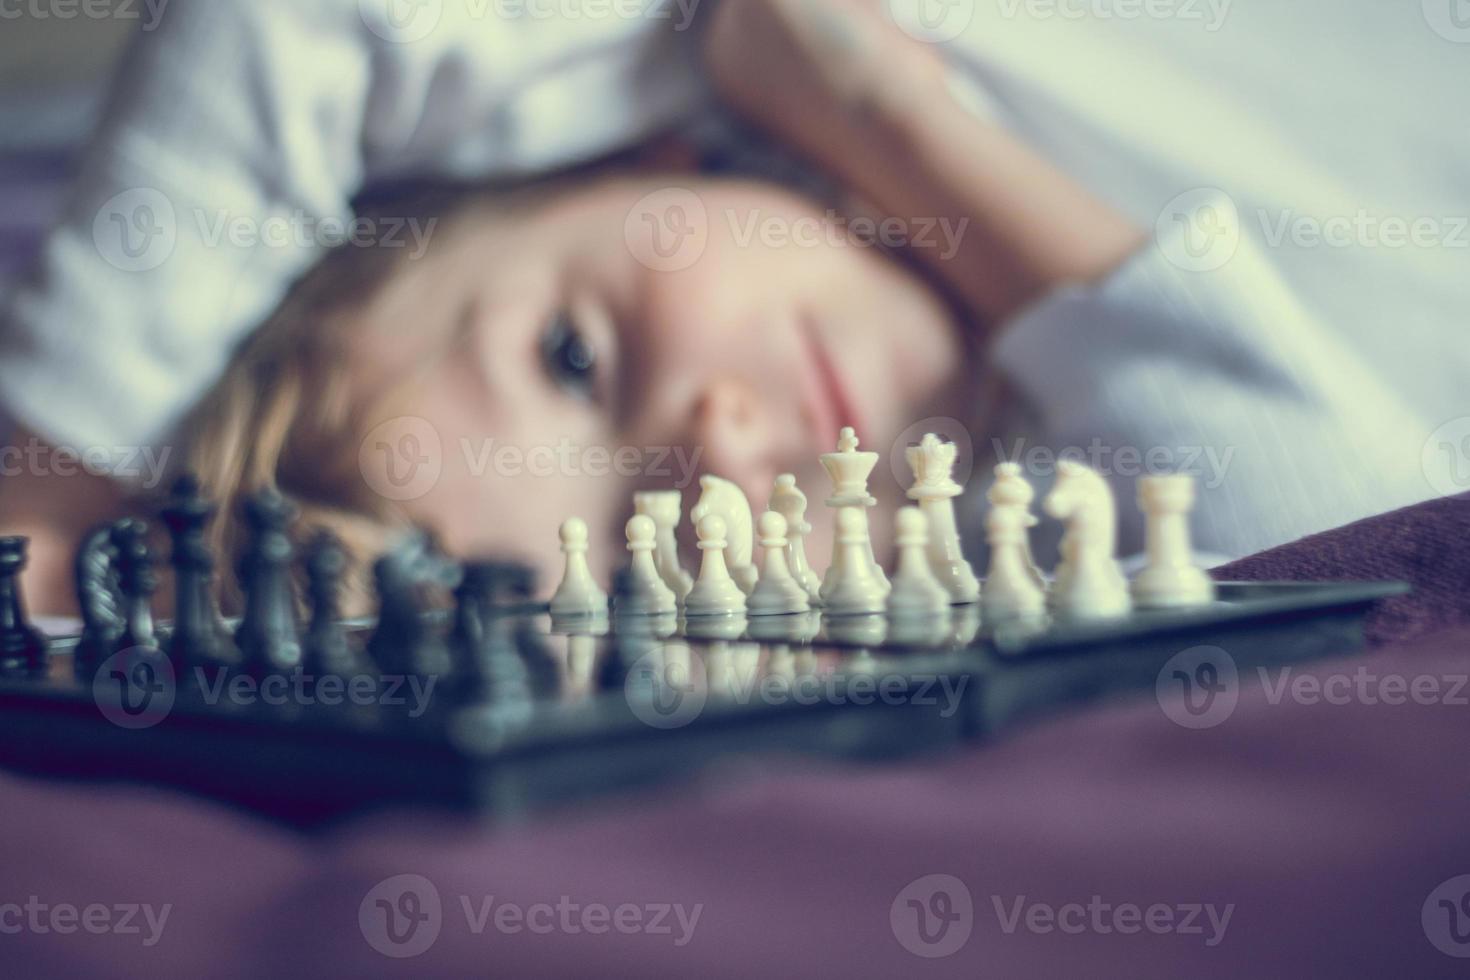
(268, 637)
(406, 641)
(95, 577)
(22, 647)
(137, 581)
(200, 637)
(326, 649)
(487, 662)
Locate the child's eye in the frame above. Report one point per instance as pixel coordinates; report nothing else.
(570, 361)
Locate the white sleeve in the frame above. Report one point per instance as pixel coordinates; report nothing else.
(236, 136)
(1222, 373)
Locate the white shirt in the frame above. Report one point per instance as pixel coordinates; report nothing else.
(1316, 372)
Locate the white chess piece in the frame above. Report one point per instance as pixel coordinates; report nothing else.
(777, 593)
(915, 592)
(1089, 583)
(851, 588)
(647, 594)
(724, 499)
(935, 489)
(1011, 589)
(1170, 578)
(578, 594)
(1011, 489)
(849, 470)
(788, 501)
(666, 507)
(714, 593)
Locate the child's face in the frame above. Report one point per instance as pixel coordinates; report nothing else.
(555, 372)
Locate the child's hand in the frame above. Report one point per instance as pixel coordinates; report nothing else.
(871, 105)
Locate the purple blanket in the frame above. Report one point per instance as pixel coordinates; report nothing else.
(1317, 828)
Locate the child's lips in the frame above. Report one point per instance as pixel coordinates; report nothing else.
(827, 394)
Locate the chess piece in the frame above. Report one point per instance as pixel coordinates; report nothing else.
(1011, 589)
(849, 471)
(136, 581)
(488, 669)
(726, 501)
(645, 591)
(915, 591)
(22, 647)
(325, 649)
(714, 593)
(199, 637)
(788, 501)
(777, 593)
(405, 643)
(1170, 579)
(666, 507)
(851, 588)
(932, 462)
(268, 637)
(1011, 489)
(94, 575)
(578, 594)
(1089, 583)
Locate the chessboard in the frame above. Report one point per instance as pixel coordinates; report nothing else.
(466, 689)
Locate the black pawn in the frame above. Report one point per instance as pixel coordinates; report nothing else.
(268, 638)
(405, 642)
(22, 646)
(326, 650)
(137, 581)
(200, 637)
(94, 574)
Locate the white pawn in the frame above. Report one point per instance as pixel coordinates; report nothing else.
(1089, 584)
(666, 507)
(1011, 589)
(1170, 578)
(916, 592)
(578, 594)
(935, 489)
(849, 470)
(1011, 490)
(714, 593)
(647, 594)
(724, 499)
(851, 588)
(777, 593)
(788, 501)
